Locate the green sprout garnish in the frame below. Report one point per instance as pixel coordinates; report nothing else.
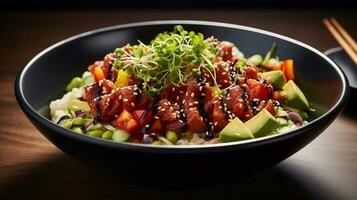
(169, 59)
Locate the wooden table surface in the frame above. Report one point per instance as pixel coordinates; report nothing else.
(32, 168)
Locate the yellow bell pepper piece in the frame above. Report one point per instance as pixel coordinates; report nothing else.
(123, 78)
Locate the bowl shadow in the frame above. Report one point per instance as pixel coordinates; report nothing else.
(61, 177)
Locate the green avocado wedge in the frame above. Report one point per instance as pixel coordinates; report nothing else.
(236, 130)
(295, 98)
(276, 78)
(262, 124)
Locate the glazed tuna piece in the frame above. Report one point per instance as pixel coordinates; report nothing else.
(250, 72)
(259, 90)
(222, 75)
(235, 103)
(106, 101)
(129, 97)
(213, 108)
(169, 115)
(194, 120)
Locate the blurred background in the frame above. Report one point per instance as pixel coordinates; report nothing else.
(119, 4)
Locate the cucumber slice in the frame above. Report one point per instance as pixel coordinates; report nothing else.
(120, 136)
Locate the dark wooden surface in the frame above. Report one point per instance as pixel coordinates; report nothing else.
(32, 168)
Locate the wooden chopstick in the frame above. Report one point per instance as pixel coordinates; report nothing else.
(347, 44)
(344, 33)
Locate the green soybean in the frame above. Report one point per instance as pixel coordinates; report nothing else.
(96, 126)
(78, 130)
(120, 136)
(87, 80)
(107, 135)
(87, 122)
(95, 133)
(76, 82)
(78, 121)
(67, 123)
(157, 142)
(255, 59)
(171, 136)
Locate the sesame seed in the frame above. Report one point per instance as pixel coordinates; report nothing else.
(119, 96)
(156, 117)
(173, 89)
(215, 102)
(125, 100)
(195, 102)
(192, 94)
(135, 93)
(132, 104)
(228, 98)
(203, 94)
(210, 123)
(224, 73)
(190, 104)
(220, 107)
(186, 94)
(147, 126)
(215, 123)
(163, 109)
(177, 98)
(180, 121)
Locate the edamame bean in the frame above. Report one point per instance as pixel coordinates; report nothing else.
(107, 135)
(67, 123)
(87, 80)
(75, 83)
(171, 136)
(77, 130)
(157, 142)
(255, 59)
(95, 133)
(95, 127)
(78, 121)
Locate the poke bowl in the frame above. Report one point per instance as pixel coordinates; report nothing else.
(187, 134)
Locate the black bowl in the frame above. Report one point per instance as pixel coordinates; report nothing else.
(43, 79)
(341, 58)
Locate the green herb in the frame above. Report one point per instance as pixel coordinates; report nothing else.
(270, 53)
(169, 59)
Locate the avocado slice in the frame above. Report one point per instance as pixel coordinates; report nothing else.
(234, 131)
(294, 96)
(262, 124)
(276, 78)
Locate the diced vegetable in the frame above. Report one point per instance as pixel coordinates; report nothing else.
(76, 82)
(123, 78)
(120, 136)
(126, 121)
(171, 136)
(95, 133)
(107, 135)
(98, 73)
(255, 59)
(288, 69)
